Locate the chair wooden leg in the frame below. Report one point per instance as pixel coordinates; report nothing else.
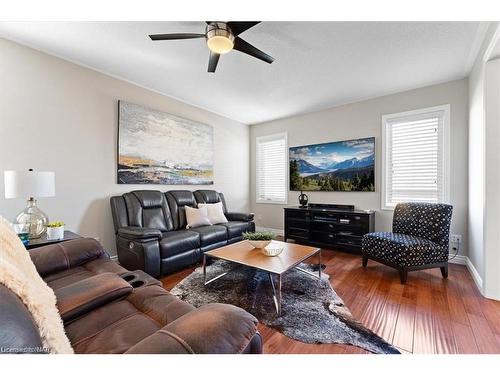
(365, 260)
(444, 271)
(403, 275)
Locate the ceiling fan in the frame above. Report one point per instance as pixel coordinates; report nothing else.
(222, 37)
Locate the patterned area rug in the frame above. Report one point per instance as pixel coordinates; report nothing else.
(311, 310)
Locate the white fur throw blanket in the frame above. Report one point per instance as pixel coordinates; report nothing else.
(18, 273)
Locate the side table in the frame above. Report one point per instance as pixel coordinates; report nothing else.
(42, 241)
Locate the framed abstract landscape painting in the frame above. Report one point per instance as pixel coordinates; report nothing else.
(336, 166)
(155, 147)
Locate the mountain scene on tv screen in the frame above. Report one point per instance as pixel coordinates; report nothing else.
(335, 166)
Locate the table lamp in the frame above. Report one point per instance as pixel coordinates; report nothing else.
(30, 184)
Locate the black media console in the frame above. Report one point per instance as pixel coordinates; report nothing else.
(328, 225)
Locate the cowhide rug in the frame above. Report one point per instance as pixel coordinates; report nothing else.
(311, 310)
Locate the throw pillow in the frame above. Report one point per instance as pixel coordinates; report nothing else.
(215, 212)
(196, 217)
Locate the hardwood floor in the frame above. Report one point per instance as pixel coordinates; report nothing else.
(427, 315)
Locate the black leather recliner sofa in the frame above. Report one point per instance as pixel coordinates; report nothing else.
(151, 232)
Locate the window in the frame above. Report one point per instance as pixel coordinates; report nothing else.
(415, 159)
(271, 165)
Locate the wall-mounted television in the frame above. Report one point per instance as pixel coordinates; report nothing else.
(334, 166)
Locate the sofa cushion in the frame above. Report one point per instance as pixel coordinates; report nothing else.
(148, 209)
(177, 201)
(76, 274)
(402, 249)
(228, 329)
(86, 295)
(207, 196)
(116, 327)
(236, 228)
(178, 241)
(58, 257)
(211, 234)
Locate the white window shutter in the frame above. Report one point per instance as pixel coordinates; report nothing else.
(415, 156)
(271, 169)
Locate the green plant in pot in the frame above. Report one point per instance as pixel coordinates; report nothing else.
(259, 240)
(55, 230)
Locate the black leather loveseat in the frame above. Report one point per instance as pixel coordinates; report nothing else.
(151, 232)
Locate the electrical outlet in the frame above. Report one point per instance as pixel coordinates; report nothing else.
(456, 238)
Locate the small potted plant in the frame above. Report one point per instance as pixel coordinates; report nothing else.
(259, 240)
(55, 230)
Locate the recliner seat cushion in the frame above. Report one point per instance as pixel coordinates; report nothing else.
(211, 234)
(86, 295)
(116, 327)
(236, 228)
(179, 241)
(76, 274)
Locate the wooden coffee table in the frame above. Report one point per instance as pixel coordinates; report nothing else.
(244, 254)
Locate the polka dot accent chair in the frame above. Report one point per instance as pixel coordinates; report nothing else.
(419, 239)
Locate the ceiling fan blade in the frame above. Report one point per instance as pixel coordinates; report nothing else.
(245, 47)
(212, 62)
(237, 27)
(176, 36)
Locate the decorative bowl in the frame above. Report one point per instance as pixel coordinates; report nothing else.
(272, 251)
(259, 244)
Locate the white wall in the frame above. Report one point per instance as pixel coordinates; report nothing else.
(58, 116)
(476, 170)
(361, 120)
(483, 175)
(492, 180)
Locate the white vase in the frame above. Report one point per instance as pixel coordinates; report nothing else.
(55, 233)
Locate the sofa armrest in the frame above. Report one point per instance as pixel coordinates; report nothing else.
(239, 216)
(88, 294)
(211, 329)
(139, 233)
(139, 254)
(65, 255)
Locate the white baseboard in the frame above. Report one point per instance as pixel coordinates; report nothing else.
(465, 261)
(278, 232)
(459, 259)
(475, 275)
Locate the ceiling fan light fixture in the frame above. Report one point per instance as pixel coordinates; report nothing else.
(220, 40)
(220, 44)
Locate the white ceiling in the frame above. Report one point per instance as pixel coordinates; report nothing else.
(318, 64)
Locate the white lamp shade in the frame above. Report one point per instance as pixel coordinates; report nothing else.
(25, 184)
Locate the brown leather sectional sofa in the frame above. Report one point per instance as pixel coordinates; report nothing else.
(107, 309)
